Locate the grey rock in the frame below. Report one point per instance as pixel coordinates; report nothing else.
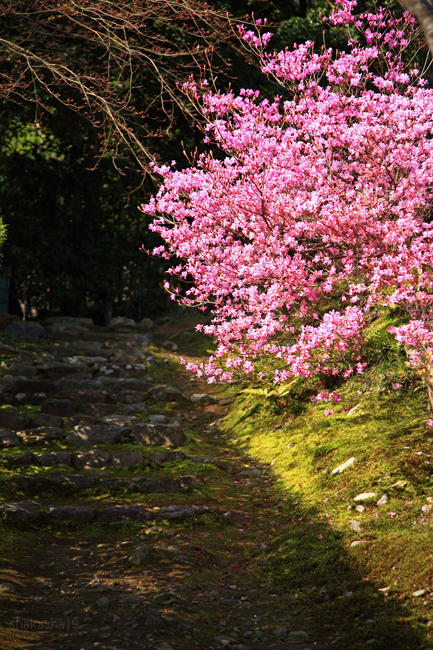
(400, 484)
(121, 322)
(22, 370)
(122, 513)
(70, 320)
(359, 542)
(356, 526)
(173, 513)
(22, 329)
(59, 407)
(83, 514)
(79, 384)
(348, 594)
(102, 602)
(121, 420)
(250, 472)
(165, 393)
(147, 324)
(8, 438)
(365, 496)
(50, 458)
(97, 435)
(57, 369)
(297, 634)
(170, 435)
(90, 459)
(280, 632)
(85, 396)
(360, 508)
(34, 399)
(20, 511)
(136, 409)
(75, 481)
(341, 468)
(171, 346)
(164, 646)
(41, 434)
(148, 485)
(128, 396)
(383, 500)
(166, 457)
(126, 459)
(8, 588)
(153, 617)
(24, 385)
(80, 420)
(203, 398)
(418, 593)
(126, 383)
(24, 460)
(114, 482)
(89, 361)
(14, 421)
(157, 419)
(47, 420)
(140, 555)
(97, 410)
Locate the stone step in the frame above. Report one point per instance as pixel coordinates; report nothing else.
(75, 482)
(31, 510)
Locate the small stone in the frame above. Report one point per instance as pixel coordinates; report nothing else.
(365, 496)
(162, 457)
(170, 435)
(121, 420)
(9, 438)
(399, 484)
(341, 468)
(121, 322)
(360, 508)
(147, 324)
(370, 642)
(203, 398)
(47, 420)
(358, 542)
(23, 329)
(59, 407)
(127, 459)
(7, 588)
(128, 396)
(20, 511)
(136, 409)
(140, 555)
(148, 485)
(418, 593)
(97, 410)
(383, 500)
(122, 513)
(153, 617)
(356, 526)
(280, 632)
(181, 512)
(75, 481)
(102, 602)
(97, 435)
(297, 634)
(348, 594)
(90, 459)
(14, 421)
(82, 514)
(50, 458)
(80, 421)
(24, 460)
(165, 393)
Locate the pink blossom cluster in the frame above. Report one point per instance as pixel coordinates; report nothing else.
(314, 215)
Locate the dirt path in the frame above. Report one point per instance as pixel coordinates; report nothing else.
(80, 566)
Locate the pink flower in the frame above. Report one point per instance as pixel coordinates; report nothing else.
(329, 412)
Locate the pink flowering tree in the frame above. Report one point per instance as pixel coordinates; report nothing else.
(315, 213)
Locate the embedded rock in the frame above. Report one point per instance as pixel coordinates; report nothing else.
(90, 459)
(140, 408)
(170, 435)
(59, 407)
(47, 420)
(131, 512)
(23, 329)
(14, 421)
(140, 555)
(20, 511)
(50, 458)
(341, 468)
(121, 420)
(8, 438)
(181, 512)
(149, 485)
(97, 410)
(126, 459)
(82, 514)
(75, 481)
(165, 393)
(162, 457)
(203, 399)
(97, 435)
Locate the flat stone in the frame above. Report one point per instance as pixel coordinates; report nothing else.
(56, 369)
(360, 508)
(365, 496)
(115, 482)
(24, 329)
(140, 408)
(359, 542)
(97, 410)
(203, 398)
(59, 407)
(89, 361)
(356, 526)
(90, 459)
(70, 320)
(85, 396)
(147, 324)
(8, 438)
(80, 420)
(122, 321)
(83, 514)
(149, 485)
(141, 385)
(22, 370)
(47, 420)
(22, 385)
(166, 393)
(122, 513)
(40, 434)
(33, 399)
(166, 457)
(170, 435)
(297, 634)
(127, 459)
(418, 593)
(19, 511)
(97, 435)
(157, 419)
(24, 460)
(140, 555)
(14, 421)
(121, 420)
(8, 588)
(102, 602)
(6, 399)
(153, 617)
(280, 632)
(50, 458)
(341, 468)
(400, 484)
(173, 513)
(79, 384)
(383, 500)
(128, 396)
(76, 481)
